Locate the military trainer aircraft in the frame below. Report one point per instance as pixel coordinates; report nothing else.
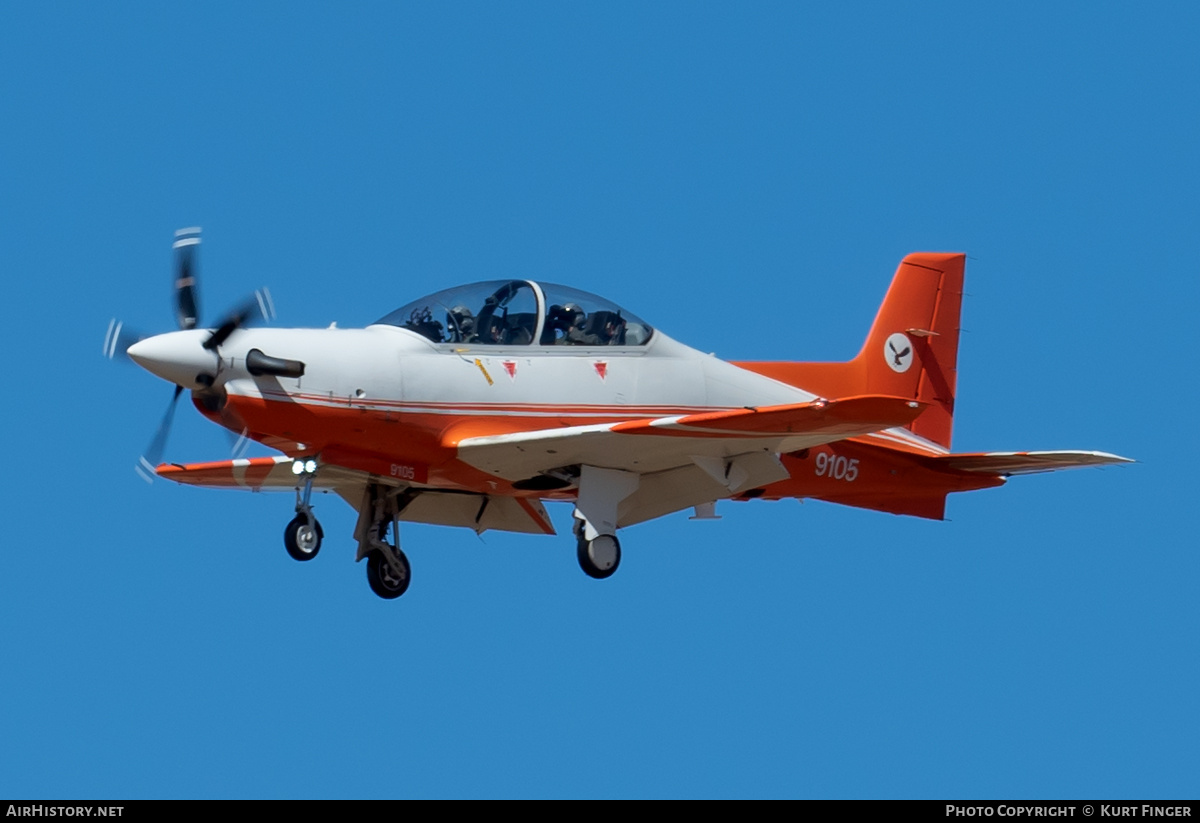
(473, 406)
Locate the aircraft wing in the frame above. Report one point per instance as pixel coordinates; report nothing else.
(682, 461)
(254, 473)
(658, 444)
(1008, 463)
(687, 460)
(479, 512)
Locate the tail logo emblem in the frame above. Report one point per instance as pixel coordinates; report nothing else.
(898, 352)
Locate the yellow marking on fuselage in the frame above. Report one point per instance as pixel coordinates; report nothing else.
(487, 376)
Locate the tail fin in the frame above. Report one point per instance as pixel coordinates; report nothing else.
(911, 350)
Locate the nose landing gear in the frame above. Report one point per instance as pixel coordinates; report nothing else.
(302, 537)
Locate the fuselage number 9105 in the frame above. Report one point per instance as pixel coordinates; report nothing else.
(837, 467)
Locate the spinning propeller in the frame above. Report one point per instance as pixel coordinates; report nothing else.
(179, 360)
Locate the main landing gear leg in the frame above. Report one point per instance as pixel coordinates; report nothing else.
(388, 571)
(302, 537)
(600, 493)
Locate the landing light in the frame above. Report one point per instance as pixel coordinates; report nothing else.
(298, 467)
(310, 466)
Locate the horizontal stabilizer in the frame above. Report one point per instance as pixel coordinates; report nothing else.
(1008, 463)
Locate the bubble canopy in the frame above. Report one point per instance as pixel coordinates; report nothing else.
(520, 313)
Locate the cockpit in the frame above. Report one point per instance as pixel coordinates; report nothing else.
(520, 313)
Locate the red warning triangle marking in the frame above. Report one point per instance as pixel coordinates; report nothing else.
(601, 368)
(510, 367)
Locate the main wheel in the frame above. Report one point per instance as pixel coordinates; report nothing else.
(383, 579)
(599, 558)
(302, 542)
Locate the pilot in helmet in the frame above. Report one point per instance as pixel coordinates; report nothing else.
(461, 323)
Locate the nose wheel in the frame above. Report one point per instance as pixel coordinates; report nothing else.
(302, 540)
(302, 537)
(600, 557)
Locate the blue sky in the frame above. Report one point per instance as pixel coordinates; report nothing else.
(745, 179)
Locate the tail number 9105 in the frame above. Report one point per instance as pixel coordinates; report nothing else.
(837, 467)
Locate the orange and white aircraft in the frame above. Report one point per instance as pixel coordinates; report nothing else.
(473, 406)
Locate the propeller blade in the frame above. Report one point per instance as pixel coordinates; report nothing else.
(154, 452)
(257, 305)
(119, 338)
(186, 245)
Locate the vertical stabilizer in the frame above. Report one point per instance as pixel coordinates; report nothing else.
(911, 350)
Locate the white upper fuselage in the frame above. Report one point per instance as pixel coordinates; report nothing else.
(382, 365)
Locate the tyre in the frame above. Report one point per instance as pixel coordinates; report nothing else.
(383, 579)
(599, 558)
(301, 542)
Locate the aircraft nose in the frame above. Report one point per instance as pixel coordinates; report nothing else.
(178, 357)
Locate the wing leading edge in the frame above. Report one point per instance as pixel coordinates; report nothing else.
(660, 444)
(254, 473)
